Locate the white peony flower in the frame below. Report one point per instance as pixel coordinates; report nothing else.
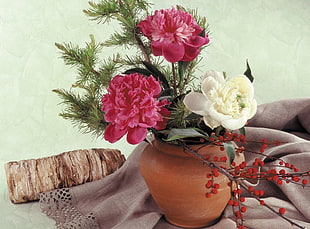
(227, 103)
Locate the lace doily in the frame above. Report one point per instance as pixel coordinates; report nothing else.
(58, 205)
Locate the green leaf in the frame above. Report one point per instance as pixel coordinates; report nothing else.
(138, 70)
(166, 93)
(193, 116)
(156, 73)
(230, 150)
(182, 66)
(248, 72)
(176, 134)
(242, 131)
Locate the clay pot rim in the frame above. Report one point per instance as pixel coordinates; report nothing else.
(175, 149)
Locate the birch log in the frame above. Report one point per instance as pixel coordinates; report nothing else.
(27, 178)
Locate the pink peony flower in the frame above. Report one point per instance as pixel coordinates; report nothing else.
(131, 107)
(174, 34)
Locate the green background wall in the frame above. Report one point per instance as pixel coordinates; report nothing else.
(273, 34)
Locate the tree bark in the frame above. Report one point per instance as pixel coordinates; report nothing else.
(27, 178)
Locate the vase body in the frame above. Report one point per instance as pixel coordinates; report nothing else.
(177, 181)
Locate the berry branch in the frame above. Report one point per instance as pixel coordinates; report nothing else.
(238, 173)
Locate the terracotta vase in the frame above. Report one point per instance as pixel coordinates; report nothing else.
(177, 181)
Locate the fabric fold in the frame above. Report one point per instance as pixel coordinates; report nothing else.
(122, 200)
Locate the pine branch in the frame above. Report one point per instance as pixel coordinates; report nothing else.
(83, 112)
(102, 12)
(107, 70)
(85, 59)
(108, 9)
(127, 13)
(83, 108)
(178, 116)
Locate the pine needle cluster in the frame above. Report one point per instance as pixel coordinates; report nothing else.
(82, 101)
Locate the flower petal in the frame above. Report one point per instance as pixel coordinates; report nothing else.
(190, 53)
(197, 103)
(173, 52)
(113, 133)
(136, 135)
(234, 124)
(165, 113)
(245, 85)
(131, 102)
(174, 34)
(209, 84)
(197, 41)
(253, 109)
(218, 76)
(210, 122)
(218, 116)
(157, 48)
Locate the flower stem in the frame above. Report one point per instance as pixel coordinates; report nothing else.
(174, 75)
(141, 46)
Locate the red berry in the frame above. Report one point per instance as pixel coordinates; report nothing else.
(223, 159)
(262, 202)
(296, 170)
(296, 179)
(217, 186)
(275, 178)
(278, 143)
(261, 163)
(243, 209)
(242, 137)
(215, 172)
(239, 215)
(282, 210)
(230, 202)
(243, 165)
(282, 171)
(304, 182)
(209, 184)
(240, 149)
(208, 195)
(236, 203)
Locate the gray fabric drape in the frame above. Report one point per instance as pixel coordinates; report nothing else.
(122, 200)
